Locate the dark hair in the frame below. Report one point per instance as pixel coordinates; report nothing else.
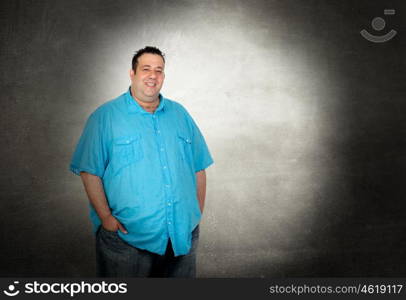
(147, 49)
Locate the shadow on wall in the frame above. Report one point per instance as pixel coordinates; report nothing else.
(324, 198)
(328, 205)
(301, 214)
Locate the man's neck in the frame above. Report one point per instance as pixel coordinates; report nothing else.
(147, 106)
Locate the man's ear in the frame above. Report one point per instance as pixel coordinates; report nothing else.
(132, 73)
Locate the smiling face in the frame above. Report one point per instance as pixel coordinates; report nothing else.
(148, 78)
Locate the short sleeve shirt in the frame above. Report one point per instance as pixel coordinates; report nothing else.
(148, 164)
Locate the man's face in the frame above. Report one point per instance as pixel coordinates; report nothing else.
(148, 78)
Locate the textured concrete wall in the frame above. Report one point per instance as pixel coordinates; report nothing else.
(304, 118)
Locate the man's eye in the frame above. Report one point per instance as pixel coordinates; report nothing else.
(159, 71)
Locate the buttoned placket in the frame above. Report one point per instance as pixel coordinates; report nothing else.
(165, 171)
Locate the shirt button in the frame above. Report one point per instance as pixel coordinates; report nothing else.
(169, 204)
(158, 131)
(169, 223)
(162, 149)
(167, 185)
(154, 116)
(164, 167)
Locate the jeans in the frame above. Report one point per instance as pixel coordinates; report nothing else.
(116, 258)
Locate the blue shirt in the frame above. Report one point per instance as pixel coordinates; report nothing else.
(147, 163)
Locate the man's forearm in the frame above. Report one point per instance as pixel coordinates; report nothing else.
(95, 193)
(201, 188)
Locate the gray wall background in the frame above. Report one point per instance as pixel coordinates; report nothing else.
(304, 118)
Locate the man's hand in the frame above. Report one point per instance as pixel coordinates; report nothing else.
(110, 223)
(95, 192)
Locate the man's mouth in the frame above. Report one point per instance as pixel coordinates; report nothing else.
(150, 84)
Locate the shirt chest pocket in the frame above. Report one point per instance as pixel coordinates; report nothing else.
(185, 147)
(126, 151)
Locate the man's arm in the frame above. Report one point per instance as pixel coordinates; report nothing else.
(97, 197)
(201, 188)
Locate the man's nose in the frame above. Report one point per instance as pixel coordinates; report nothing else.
(152, 74)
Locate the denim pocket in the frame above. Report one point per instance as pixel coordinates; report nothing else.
(111, 240)
(196, 233)
(107, 231)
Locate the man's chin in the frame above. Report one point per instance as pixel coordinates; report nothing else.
(150, 98)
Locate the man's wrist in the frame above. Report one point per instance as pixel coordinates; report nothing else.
(105, 217)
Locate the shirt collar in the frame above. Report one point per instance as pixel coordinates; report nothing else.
(134, 107)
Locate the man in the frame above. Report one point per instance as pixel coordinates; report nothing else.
(142, 160)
